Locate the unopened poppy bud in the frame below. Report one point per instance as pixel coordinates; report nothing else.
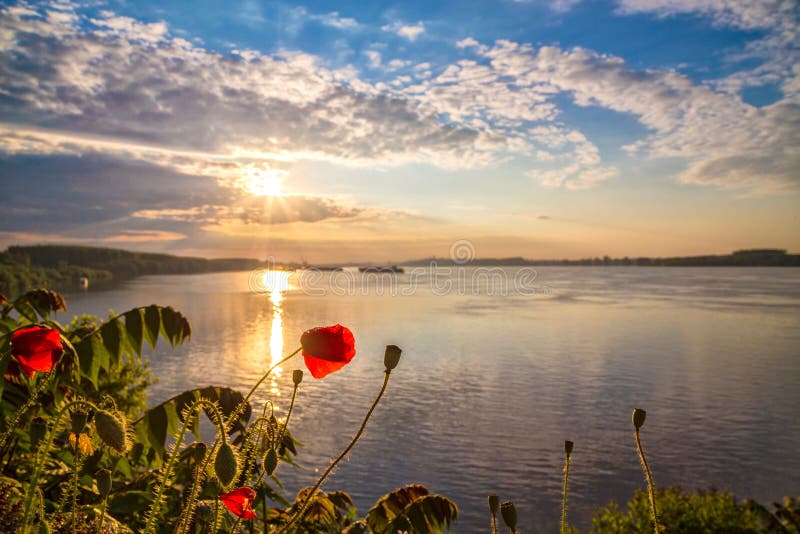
(392, 356)
(568, 446)
(297, 376)
(225, 465)
(199, 451)
(78, 420)
(509, 513)
(103, 480)
(112, 429)
(270, 461)
(494, 502)
(38, 430)
(638, 417)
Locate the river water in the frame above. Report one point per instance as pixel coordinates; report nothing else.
(500, 366)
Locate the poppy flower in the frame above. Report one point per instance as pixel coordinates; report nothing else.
(240, 502)
(36, 349)
(327, 349)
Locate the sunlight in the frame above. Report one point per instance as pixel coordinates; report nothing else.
(264, 182)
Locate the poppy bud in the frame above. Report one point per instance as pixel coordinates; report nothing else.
(392, 356)
(38, 431)
(494, 502)
(509, 513)
(205, 511)
(568, 447)
(638, 417)
(103, 480)
(112, 430)
(78, 420)
(297, 376)
(225, 465)
(199, 451)
(270, 461)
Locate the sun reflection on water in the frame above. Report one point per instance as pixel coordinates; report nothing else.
(276, 282)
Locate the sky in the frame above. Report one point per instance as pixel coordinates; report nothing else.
(378, 131)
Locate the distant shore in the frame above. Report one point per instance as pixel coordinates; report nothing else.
(63, 267)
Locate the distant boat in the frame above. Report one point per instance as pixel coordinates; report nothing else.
(83, 282)
(374, 269)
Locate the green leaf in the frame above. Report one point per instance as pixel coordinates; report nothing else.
(391, 505)
(134, 325)
(152, 322)
(428, 514)
(164, 419)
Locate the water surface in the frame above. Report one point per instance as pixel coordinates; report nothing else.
(493, 379)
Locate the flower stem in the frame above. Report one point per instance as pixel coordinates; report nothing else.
(183, 522)
(13, 423)
(564, 527)
(297, 516)
(41, 456)
(102, 515)
(651, 490)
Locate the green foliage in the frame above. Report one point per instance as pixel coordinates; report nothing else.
(411, 508)
(679, 513)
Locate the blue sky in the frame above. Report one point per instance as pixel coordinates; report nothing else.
(356, 131)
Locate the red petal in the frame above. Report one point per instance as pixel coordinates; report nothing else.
(240, 502)
(36, 349)
(320, 368)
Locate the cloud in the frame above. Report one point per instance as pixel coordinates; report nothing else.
(116, 79)
(779, 49)
(409, 31)
(374, 58)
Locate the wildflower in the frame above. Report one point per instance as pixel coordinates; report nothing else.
(36, 349)
(327, 349)
(240, 502)
(81, 443)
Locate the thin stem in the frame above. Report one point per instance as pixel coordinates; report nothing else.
(102, 515)
(242, 404)
(74, 488)
(651, 489)
(288, 415)
(494, 524)
(41, 385)
(302, 510)
(41, 456)
(235, 526)
(564, 498)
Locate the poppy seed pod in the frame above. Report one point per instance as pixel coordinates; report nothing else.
(112, 429)
(199, 451)
(638, 417)
(297, 376)
(78, 420)
(38, 431)
(568, 447)
(270, 461)
(392, 356)
(509, 513)
(494, 503)
(225, 465)
(103, 480)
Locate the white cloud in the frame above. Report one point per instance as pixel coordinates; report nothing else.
(335, 20)
(409, 31)
(778, 50)
(374, 58)
(466, 43)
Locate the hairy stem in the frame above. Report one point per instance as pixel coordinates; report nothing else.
(297, 516)
(13, 423)
(651, 489)
(564, 526)
(39, 460)
(102, 515)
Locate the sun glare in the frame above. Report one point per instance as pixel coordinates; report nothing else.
(264, 183)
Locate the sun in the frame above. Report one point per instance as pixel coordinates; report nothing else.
(264, 182)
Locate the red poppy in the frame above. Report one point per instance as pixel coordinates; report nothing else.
(327, 349)
(36, 349)
(240, 502)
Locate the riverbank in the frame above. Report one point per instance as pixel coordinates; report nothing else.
(64, 267)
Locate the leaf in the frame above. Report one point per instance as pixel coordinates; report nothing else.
(392, 504)
(428, 514)
(134, 325)
(164, 419)
(152, 322)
